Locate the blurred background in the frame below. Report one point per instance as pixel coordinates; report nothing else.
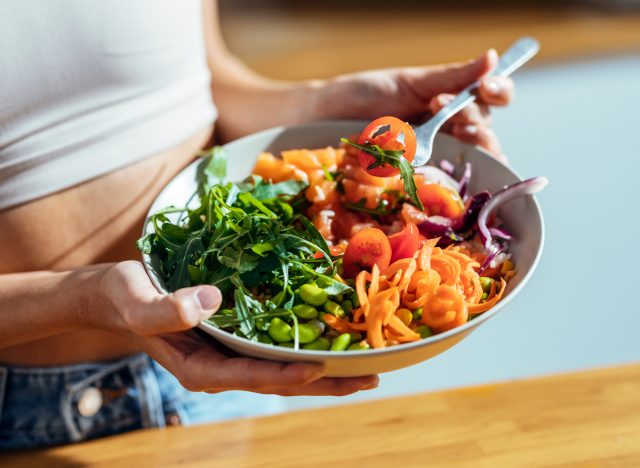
(574, 120)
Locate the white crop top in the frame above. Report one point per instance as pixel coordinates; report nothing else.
(88, 86)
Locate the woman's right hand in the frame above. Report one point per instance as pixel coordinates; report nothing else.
(161, 325)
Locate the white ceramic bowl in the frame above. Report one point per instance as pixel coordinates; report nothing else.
(522, 217)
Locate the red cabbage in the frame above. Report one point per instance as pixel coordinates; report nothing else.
(526, 187)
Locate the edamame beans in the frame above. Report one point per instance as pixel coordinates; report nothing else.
(334, 308)
(319, 344)
(305, 311)
(286, 345)
(359, 346)
(264, 338)
(355, 336)
(279, 330)
(307, 332)
(417, 314)
(341, 342)
(313, 295)
(354, 300)
(347, 306)
(424, 331)
(485, 282)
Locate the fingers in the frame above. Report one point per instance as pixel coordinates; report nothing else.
(201, 368)
(332, 386)
(255, 375)
(146, 312)
(496, 90)
(473, 113)
(451, 78)
(480, 136)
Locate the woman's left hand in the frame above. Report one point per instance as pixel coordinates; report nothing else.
(416, 93)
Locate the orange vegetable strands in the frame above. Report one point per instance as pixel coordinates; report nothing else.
(444, 282)
(478, 308)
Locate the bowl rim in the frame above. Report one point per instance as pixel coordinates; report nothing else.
(280, 351)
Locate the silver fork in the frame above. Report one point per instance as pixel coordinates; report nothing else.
(517, 55)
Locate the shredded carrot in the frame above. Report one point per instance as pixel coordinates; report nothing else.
(399, 328)
(445, 309)
(361, 287)
(424, 255)
(338, 324)
(478, 308)
(375, 281)
(448, 268)
(383, 306)
(406, 277)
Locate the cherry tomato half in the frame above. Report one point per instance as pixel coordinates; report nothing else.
(366, 248)
(441, 201)
(389, 133)
(405, 243)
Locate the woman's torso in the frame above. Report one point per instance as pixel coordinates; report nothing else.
(95, 222)
(92, 96)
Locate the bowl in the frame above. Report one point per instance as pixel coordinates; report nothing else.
(521, 216)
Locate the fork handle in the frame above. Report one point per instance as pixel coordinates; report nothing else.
(516, 56)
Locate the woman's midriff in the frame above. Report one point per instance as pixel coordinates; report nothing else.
(95, 222)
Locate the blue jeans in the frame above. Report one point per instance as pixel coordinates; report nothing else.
(44, 406)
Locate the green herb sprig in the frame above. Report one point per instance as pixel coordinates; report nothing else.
(393, 158)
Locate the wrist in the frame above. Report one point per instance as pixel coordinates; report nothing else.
(94, 307)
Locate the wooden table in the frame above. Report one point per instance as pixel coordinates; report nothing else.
(586, 419)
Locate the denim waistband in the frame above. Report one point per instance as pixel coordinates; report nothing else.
(54, 405)
(44, 406)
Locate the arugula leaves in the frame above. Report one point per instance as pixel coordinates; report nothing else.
(248, 239)
(393, 158)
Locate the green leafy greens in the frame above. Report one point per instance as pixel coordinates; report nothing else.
(393, 158)
(249, 240)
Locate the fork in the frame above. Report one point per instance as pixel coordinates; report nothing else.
(517, 55)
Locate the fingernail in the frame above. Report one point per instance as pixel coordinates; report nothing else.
(444, 99)
(493, 87)
(209, 298)
(470, 129)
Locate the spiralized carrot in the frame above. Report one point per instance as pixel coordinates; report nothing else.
(477, 308)
(443, 282)
(383, 306)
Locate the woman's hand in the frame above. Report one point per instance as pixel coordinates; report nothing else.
(162, 325)
(416, 93)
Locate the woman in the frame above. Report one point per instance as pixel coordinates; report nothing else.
(102, 104)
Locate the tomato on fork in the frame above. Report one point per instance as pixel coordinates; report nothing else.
(389, 133)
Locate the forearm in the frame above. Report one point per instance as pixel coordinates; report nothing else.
(36, 305)
(247, 101)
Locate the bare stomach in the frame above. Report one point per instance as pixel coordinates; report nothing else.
(95, 222)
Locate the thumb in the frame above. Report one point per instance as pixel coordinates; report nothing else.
(146, 312)
(451, 78)
(179, 311)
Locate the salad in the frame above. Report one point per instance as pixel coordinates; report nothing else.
(340, 248)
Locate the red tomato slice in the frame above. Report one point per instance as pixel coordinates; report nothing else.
(366, 248)
(389, 133)
(441, 201)
(405, 243)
